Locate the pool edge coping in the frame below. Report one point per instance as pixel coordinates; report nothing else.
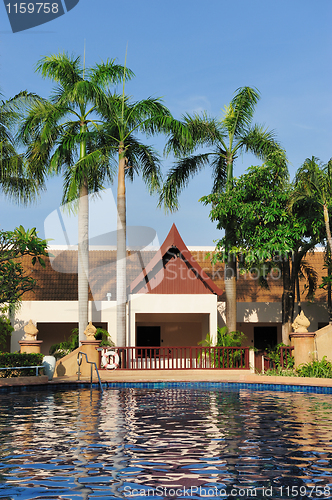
(241, 380)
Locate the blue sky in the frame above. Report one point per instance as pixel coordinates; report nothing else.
(194, 55)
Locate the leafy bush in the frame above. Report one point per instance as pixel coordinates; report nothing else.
(6, 330)
(224, 339)
(318, 369)
(103, 335)
(229, 339)
(9, 359)
(63, 348)
(281, 372)
(275, 355)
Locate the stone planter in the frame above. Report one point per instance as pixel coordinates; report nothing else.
(49, 366)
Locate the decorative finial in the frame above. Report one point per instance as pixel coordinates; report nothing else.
(301, 323)
(31, 331)
(90, 331)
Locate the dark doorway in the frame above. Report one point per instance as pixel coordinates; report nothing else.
(265, 336)
(147, 336)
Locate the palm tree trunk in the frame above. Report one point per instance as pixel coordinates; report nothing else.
(294, 284)
(83, 260)
(230, 266)
(327, 226)
(286, 302)
(230, 289)
(121, 277)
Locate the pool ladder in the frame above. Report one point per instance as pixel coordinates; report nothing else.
(79, 362)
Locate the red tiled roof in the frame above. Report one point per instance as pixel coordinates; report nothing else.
(174, 270)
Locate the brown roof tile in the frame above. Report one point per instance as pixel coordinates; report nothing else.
(60, 281)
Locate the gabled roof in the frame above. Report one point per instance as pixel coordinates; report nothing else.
(174, 270)
(60, 282)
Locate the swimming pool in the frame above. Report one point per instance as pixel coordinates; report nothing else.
(165, 443)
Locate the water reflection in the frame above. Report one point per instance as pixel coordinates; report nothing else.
(165, 443)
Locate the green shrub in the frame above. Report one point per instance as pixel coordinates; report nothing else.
(317, 369)
(275, 354)
(280, 372)
(103, 335)
(229, 339)
(9, 359)
(63, 348)
(224, 339)
(6, 329)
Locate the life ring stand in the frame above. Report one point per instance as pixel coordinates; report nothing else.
(110, 359)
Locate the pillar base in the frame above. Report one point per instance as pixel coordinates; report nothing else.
(30, 346)
(304, 347)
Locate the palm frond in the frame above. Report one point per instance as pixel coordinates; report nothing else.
(219, 166)
(310, 274)
(144, 159)
(16, 180)
(204, 130)
(178, 178)
(263, 144)
(61, 68)
(147, 116)
(108, 73)
(313, 182)
(239, 114)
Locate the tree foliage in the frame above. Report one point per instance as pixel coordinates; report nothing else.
(262, 232)
(14, 278)
(57, 131)
(313, 192)
(17, 180)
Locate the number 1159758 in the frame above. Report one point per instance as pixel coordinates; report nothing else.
(32, 8)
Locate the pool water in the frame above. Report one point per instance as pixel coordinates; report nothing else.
(165, 443)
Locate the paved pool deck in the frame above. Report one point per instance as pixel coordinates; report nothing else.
(177, 376)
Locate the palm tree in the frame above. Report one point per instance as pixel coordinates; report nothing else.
(313, 193)
(58, 133)
(124, 122)
(227, 138)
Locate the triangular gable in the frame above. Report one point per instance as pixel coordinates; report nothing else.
(174, 270)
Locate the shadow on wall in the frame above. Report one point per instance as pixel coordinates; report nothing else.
(60, 369)
(262, 313)
(221, 319)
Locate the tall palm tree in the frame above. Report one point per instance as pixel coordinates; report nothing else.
(125, 121)
(228, 137)
(313, 193)
(58, 133)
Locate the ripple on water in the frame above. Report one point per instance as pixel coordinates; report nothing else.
(165, 443)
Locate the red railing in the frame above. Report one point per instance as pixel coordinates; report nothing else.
(181, 358)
